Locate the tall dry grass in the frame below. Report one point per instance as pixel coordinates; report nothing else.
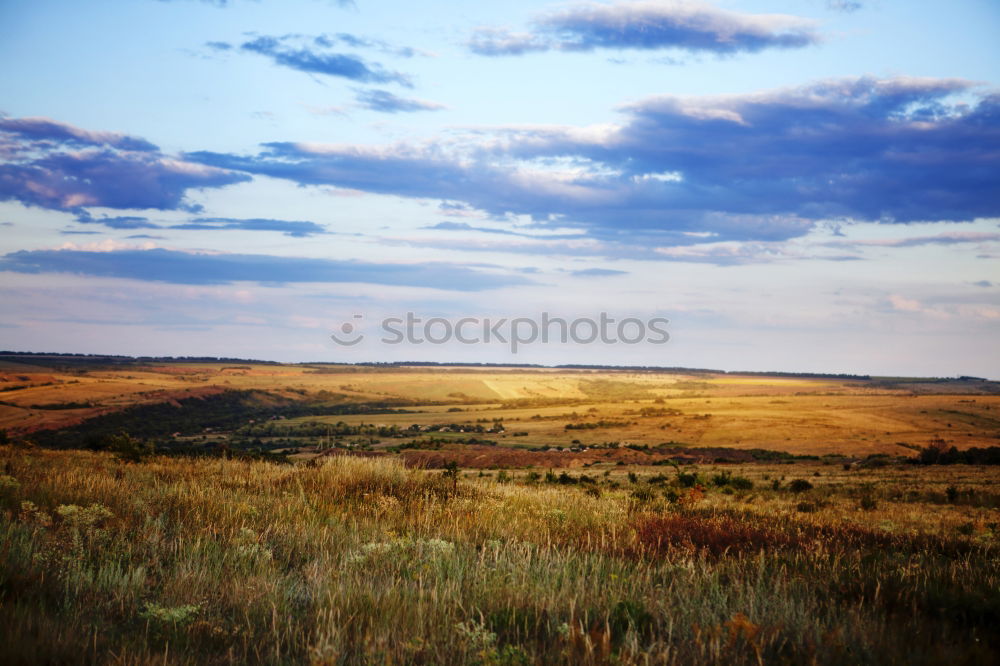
(363, 561)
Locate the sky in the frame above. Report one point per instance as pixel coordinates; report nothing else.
(794, 185)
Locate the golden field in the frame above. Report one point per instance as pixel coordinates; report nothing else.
(815, 416)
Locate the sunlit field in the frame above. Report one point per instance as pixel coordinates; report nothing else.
(799, 415)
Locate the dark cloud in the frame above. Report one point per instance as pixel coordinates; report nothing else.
(983, 283)
(293, 228)
(159, 265)
(687, 26)
(314, 58)
(385, 102)
(30, 134)
(763, 166)
(54, 165)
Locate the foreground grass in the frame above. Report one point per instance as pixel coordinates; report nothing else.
(362, 561)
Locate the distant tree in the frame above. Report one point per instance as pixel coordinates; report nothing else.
(130, 449)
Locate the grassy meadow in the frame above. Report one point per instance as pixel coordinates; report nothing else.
(168, 512)
(358, 560)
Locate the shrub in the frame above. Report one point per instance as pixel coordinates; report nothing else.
(129, 449)
(723, 479)
(566, 479)
(800, 486)
(687, 479)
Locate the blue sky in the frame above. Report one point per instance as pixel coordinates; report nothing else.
(798, 185)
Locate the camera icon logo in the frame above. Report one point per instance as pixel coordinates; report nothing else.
(348, 336)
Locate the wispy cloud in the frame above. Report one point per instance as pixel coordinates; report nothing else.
(683, 25)
(464, 226)
(949, 238)
(844, 5)
(314, 56)
(740, 254)
(177, 267)
(293, 228)
(117, 222)
(386, 102)
(597, 272)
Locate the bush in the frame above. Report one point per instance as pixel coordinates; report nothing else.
(129, 449)
(721, 480)
(687, 479)
(565, 479)
(800, 486)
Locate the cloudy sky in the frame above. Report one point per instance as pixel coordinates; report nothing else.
(798, 185)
